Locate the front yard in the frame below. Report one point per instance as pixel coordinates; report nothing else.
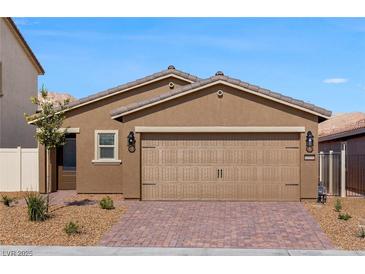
(94, 222)
(16, 229)
(343, 234)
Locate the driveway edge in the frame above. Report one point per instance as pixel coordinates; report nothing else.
(153, 251)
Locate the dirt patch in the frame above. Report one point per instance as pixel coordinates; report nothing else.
(16, 229)
(15, 195)
(343, 234)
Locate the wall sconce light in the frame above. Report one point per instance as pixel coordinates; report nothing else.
(131, 142)
(309, 142)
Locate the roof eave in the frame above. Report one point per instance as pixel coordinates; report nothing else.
(340, 135)
(79, 103)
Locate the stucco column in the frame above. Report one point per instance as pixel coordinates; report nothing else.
(321, 158)
(330, 172)
(343, 170)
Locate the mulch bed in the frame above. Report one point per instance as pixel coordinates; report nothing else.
(16, 229)
(343, 234)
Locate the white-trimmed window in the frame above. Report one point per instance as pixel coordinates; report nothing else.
(106, 146)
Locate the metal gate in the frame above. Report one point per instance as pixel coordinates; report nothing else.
(343, 174)
(355, 175)
(330, 172)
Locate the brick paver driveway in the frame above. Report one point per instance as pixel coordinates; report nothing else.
(217, 224)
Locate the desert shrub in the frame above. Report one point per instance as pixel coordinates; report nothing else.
(37, 207)
(107, 203)
(338, 205)
(6, 200)
(72, 228)
(344, 216)
(361, 233)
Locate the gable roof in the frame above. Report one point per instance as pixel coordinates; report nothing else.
(220, 78)
(169, 72)
(28, 51)
(342, 125)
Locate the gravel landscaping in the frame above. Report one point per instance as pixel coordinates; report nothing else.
(343, 234)
(16, 229)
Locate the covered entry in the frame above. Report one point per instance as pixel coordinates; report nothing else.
(220, 166)
(66, 164)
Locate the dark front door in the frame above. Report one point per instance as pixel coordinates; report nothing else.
(66, 159)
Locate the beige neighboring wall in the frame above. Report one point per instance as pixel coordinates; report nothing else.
(19, 83)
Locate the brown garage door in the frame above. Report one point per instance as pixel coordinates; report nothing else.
(250, 166)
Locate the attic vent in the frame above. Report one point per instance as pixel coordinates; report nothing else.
(219, 73)
(170, 67)
(171, 85)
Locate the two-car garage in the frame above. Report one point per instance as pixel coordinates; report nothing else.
(220, 166)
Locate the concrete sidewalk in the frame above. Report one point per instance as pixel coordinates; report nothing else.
(149, 251)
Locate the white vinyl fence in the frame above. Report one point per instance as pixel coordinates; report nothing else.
(19, 169)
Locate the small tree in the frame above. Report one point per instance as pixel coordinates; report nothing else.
(48, 120)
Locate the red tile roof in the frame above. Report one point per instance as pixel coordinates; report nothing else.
(342, 123)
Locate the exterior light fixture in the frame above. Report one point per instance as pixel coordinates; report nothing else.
(309, 142)
(131, 142)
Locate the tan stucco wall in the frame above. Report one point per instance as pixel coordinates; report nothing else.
(202, 108)
(95, 178)
(19, 83)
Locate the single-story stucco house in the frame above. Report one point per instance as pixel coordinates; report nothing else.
(174, 136)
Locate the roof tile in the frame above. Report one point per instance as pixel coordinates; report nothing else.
(342, 123)
(324, 112)
(133, 83)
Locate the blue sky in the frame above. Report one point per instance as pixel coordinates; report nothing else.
(320, 60)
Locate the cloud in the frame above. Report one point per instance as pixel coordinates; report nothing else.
(335, 80)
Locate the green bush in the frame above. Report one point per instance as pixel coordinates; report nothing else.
(72, 228)
(338, 205)
(6, 200)
(344, 216)
(107, 203)
(37, 207)
(361, 233)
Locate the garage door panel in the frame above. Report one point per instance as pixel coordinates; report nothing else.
(247, 173)
(221, 191)
(220, 167)
(238, 155)
(290, 174)
(150, 157)
(198, 156)
(281, 157)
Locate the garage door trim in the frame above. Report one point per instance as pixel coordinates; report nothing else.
(202, 198)
(219, 129)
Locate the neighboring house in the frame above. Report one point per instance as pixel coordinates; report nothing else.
(346, 132)
(346, 128)
(19, 70)
(174, 136)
